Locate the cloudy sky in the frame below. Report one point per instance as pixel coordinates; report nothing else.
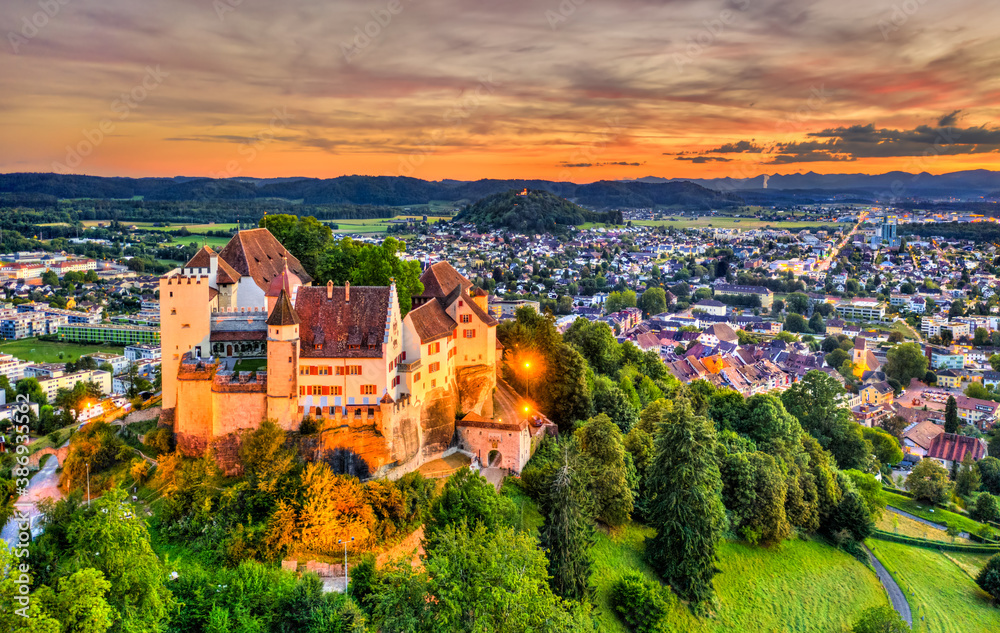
(559, 89)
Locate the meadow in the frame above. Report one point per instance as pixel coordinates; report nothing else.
(797, 585)
(898, 524)
(937, 515)
(939, 587)
(36, 351)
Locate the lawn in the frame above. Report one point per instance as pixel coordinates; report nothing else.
(795, 586)
(942, 596)
(250, 364)
(36, 351)
(898, 524)
(937, 515)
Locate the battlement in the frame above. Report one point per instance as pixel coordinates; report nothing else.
(187, 275)
(229, 381)
(241, 310)
(197, 368)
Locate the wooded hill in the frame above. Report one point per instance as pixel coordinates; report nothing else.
(531, 210)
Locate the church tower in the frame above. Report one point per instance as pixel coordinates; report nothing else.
(283, 363)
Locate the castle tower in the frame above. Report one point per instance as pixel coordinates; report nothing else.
(283, 363)
(185, 312)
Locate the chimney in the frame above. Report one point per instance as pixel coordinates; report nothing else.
(329, 289)
(347, 292)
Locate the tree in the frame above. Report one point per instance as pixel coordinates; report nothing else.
(620, 300)
(929, 481)
(870, 490)
(113, 540)
(852, 515)
(986, 508)
(566, 536)
(80, 603)
(653, 301)
(989, 577)
(981, 337)
(885, 446)
(906, 361)
(995, 362)
(491, 581)
(686, 508)
(796, 323)
(468, 498)
(977, 390)
(816, 323)
(951, 415)
(639, 603)
(882, 619)
(29, 387)
(989, 474)
(602, 448)
(613, 402)
(797, 302)
(967, 481)
(754, 493)
(836, 358)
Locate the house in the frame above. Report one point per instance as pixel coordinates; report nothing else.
(918, 437)
(950, 449)
(949, 379)
(877, 394)
(710, 306)
(717, 333)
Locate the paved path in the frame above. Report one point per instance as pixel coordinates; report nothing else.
(936, 526)
(896, 596)
(44, 484)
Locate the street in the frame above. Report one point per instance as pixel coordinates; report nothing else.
(44, 484)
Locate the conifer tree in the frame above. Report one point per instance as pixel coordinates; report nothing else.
(686, 509)
(567, 535)
(951, 416)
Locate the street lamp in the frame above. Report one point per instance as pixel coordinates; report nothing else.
(345, 541)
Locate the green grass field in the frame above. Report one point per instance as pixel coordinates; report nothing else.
(898, 524)
(922, 510)
(942, 595)
(795, 586)
(49, 351)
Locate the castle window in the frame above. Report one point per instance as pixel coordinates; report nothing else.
(324, 370)
(339, 371)
(304, 370)
(416, 377)
(338, 390)
(466, 318)
(433, 367)
(354, 370)
(173, 311)
(316, 390)
(371, 412)
(434, 383)
(302, 391)
(470, 334)
(367, 390)
(461, 303)
(318, 346)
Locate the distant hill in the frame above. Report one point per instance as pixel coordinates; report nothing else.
(530, 210)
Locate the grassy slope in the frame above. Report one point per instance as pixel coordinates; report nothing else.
(898, 524)
(796, 586)
(942, 596)
(48, 351)
(922, 510)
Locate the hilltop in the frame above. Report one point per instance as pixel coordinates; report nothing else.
(531, 210)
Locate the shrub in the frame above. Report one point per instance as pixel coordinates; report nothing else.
(989, 577)
(640, 604)
(880, 620)
(986, 508)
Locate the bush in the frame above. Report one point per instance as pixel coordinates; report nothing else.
(989, 577)
(986, 508)
(640, 604)
(880, 620)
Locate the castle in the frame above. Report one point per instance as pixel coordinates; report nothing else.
(246, 337)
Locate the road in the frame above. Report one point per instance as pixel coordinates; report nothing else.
(824, 263)
(45, 484)
(896, 595)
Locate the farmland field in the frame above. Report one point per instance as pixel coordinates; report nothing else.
(942, 595)
(49, 351)
(898, 524)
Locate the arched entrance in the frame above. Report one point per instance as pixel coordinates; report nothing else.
(229, 350)
(494, 459)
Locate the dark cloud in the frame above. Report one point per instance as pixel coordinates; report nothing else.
(739, 147)
(948, 120)
(698, 160)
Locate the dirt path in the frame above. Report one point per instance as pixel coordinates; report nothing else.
(896, 596)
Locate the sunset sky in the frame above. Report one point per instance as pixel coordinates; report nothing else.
(467, 89)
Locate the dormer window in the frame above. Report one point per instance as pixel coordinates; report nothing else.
(318, 346)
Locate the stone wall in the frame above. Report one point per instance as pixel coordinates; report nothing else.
(475, 389)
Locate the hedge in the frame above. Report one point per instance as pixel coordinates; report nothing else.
(940, 545)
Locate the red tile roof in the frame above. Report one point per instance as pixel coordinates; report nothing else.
(258, 254)
(440, 279)
(953, 447)
(431, 321)
(336, 328)
(283, 313)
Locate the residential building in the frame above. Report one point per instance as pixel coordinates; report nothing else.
(112, 334)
